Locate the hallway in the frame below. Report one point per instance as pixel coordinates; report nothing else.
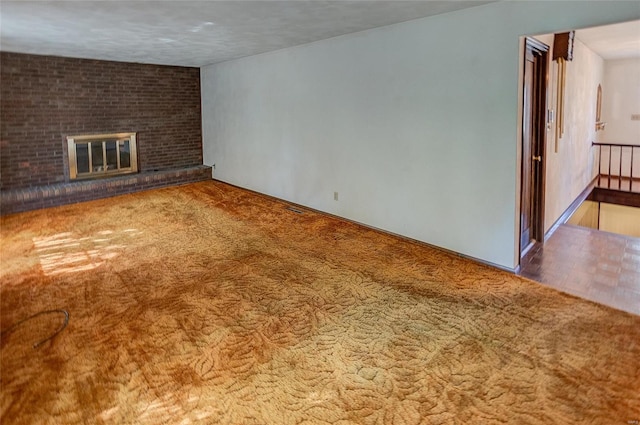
(598, 266)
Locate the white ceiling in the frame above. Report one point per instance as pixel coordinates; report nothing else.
(193, 33)
(618, 41)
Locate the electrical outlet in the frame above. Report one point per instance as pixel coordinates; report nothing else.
(335, 196)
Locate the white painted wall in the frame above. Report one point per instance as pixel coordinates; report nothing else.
(608, 218)
(415, 124)
(574, 165)
(620, 219)
(620, 100)
(586, 215)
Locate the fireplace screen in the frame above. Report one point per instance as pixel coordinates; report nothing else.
(102, 155)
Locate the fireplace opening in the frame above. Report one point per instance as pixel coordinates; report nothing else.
(102, 155)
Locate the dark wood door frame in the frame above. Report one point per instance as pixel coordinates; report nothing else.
(534, 162)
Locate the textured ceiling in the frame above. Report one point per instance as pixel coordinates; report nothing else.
(192, 33)
(618, 41)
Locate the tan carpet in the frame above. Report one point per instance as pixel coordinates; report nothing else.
(209, 304)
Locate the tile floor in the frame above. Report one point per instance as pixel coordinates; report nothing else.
(599, 266)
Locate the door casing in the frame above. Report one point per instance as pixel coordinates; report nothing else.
(538, 127)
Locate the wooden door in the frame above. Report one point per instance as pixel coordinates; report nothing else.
(533, 143)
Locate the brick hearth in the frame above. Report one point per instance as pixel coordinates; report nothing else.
(30, 198)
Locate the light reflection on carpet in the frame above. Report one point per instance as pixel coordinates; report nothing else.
(64, 253)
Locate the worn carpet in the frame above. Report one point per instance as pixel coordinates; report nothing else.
(209, 304)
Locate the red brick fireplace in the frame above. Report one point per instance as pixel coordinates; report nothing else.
(45, 100)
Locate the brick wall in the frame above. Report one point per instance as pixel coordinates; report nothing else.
(43, 99)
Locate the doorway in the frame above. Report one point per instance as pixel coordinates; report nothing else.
(534, 110)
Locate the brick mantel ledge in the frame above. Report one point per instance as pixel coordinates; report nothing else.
(32, 198)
